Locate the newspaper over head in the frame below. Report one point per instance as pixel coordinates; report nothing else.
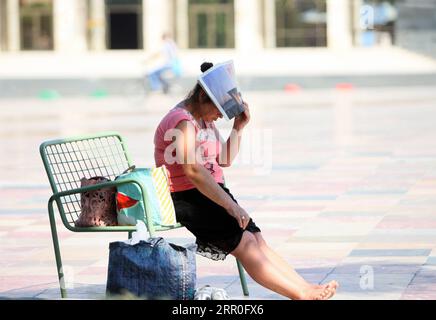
(219, 82)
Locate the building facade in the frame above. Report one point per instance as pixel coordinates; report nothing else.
(98, 25)
(416, 27)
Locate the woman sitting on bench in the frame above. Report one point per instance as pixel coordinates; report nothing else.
(187, 143)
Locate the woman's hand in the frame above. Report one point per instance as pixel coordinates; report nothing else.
(239, 214)
(242, 120)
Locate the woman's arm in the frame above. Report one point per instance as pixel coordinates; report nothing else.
(231, 146)
(201, 177)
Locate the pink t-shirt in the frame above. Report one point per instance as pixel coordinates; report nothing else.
(207, 144)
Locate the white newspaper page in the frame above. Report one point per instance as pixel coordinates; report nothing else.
(219, 82)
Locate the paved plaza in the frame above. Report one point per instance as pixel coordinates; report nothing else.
(342, 184)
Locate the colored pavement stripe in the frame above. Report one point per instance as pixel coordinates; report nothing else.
(390, 252)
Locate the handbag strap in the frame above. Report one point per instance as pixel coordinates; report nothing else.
(131, 168)
(153, 241)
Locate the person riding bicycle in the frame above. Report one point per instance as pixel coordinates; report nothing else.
(168, 65)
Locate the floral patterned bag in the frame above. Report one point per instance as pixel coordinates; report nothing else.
(98, 206)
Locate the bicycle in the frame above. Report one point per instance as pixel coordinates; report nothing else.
(136, 91)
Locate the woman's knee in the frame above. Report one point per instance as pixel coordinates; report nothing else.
(260, 240)
(247, 240)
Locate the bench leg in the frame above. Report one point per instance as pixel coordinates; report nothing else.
(242, 278)
(57, 251)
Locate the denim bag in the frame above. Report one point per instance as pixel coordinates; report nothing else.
(152, 269)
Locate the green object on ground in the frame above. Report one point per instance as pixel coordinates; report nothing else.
(99, 93)
(49, 95)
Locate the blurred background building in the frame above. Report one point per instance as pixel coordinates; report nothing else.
(87, 25)
(108, 38)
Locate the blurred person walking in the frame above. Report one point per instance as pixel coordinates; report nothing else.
(166, 65)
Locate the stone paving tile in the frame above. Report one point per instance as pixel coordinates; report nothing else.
(78, 292)
(408, 223)
(30, 269)
(375, 193)
(389, 252)
(93, 270)
(419, 293)
(19, 282)
(379, 268)
(388, 260)
(410, 235)
(431, 261)
(372, 205)
(323, 249)
(306, 264)
(351, 214)
(335, 229)
(396, 245)
(329, 239)
(376, 286)
(314, 278)
(8, 222)
(425, 276)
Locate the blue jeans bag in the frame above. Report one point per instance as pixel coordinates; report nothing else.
(152, 269)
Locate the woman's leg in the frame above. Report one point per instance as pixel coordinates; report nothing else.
(282, 265)
(153, 78)
(264, 272)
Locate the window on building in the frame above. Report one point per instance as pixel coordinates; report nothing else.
(3, 23)
(414, 26)
(91, 24)
(211, 24)
(36, 24)
(124, 24)
(301, 23)
(377, 22)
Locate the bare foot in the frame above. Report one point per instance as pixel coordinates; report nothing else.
(324, 293)
(332, 283)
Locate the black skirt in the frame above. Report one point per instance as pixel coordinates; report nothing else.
(217, 232)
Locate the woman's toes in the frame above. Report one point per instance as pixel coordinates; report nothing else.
(334, 284)
(320, 292)
(328, 292)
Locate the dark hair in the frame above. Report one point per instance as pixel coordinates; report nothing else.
(193, 96)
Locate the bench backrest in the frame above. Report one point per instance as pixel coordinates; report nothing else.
(66, 161)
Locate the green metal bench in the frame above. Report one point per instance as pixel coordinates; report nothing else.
(68, 160)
